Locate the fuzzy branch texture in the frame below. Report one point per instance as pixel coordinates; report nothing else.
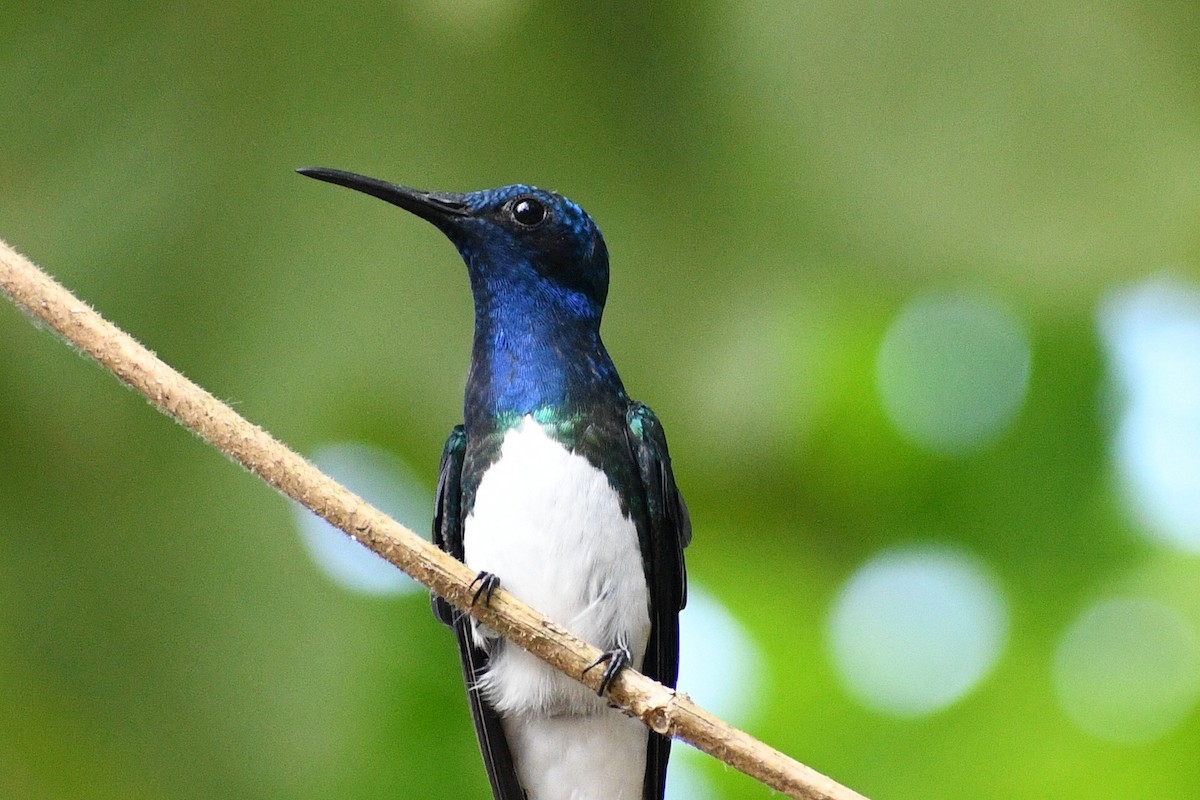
(666, 711)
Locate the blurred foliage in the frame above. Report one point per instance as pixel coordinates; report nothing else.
(774, 180)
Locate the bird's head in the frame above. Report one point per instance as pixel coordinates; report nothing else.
(521, 244)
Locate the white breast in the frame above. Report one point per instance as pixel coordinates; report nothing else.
(550, 525)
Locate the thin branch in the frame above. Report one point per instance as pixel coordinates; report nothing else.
(664, 710)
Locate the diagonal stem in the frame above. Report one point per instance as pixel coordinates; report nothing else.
(668, 712)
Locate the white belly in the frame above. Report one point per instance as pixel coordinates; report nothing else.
(599, 757)
(550, 525)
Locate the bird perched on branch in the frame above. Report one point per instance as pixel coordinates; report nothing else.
(557, 486)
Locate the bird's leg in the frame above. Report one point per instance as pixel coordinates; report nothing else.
(485, 585)
(614, 660)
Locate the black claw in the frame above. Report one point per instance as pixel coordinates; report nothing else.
(615, 660)
(485, 585)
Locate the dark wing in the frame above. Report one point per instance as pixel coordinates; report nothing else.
(664, 529)
(448, 535)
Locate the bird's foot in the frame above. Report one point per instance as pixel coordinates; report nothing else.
(485, 585)
(614, 661)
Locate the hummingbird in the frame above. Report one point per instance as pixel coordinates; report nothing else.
(557, 486)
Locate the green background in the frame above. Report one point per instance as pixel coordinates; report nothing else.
(775, 182)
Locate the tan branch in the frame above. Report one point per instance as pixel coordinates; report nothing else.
(662, 709)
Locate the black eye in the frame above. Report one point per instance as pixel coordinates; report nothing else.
(528, 211)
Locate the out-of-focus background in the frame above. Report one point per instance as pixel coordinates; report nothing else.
(915, 288)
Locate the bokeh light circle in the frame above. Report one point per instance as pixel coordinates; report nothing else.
(1158, 463)
(953, 370)
(383, 480)
(720, 664)
(721, 668)
(1151, 334)
(1128, 670)
(916, 628)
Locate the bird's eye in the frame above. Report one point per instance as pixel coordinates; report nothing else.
(528, 211)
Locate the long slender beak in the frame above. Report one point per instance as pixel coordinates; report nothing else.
(440, 208)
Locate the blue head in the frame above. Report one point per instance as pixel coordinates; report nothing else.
(539, 275)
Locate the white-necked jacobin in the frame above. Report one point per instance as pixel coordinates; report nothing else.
(559, 486)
